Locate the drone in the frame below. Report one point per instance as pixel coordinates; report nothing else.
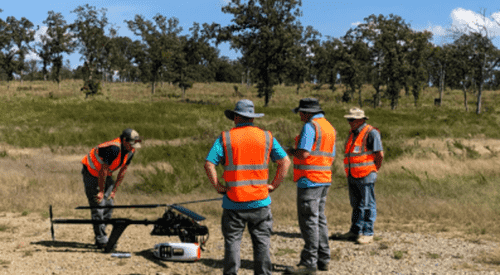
(176, 221)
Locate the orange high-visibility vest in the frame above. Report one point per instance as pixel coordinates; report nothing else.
(247, 151)
(358, 161)
(317, 167)
(94, 162)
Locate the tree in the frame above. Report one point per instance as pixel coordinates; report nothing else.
(15, 37)
(57, 41)
(297, 65)
(89, 28)
(161, 43)
(485, 56)
(22, 34)
(122, 56)
(264, 31)
(418, 55)
(353, 66)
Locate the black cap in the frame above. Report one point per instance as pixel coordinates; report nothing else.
(308, 105)
(132, 137)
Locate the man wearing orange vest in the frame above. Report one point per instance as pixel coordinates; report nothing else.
(312, 161)
(98, 166)
(245, 151)
(363, 159)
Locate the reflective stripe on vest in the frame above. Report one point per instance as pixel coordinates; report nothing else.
(317, 167)
(358, 161)
(247, 182)
(94, 162)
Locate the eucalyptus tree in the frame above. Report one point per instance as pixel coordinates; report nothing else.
(264, 31)
(57, 41)
(122, 56)
(90, 34)
(419, 52)
(355, 61)
(440, 59)
(15, 42)
(297, 65)
(161, 43)
(387, 42)
(461, 65)
(486, 56)
(200, 55)
(22, 34)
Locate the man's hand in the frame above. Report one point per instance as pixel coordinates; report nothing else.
(270, 188)
(112, 195)
(99, 197)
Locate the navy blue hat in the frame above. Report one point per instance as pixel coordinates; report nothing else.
(243, 108)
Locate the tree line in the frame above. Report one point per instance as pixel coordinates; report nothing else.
(382, 51)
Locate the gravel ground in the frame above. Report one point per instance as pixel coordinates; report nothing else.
(27, 248)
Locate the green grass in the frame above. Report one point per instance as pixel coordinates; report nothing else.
(405, 193)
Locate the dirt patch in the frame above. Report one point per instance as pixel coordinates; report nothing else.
(29, 249)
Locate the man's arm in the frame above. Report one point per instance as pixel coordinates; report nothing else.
(298, 153)
(379, 157)
(212, 176)
(281, 171)
(101, 180)
(119, 179)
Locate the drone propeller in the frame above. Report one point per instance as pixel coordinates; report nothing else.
(144, 205)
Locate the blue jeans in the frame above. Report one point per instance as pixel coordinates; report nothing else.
(364, 208)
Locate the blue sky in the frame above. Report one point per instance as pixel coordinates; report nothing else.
(330, 18)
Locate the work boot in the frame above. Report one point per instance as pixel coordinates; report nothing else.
(364, 239)
(100, 245)
(322, 267)
(300, 269)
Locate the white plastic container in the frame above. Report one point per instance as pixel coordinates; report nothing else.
(177, 252)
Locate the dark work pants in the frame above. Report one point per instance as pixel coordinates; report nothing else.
(313, 225)
(91, 190)
(260, 223)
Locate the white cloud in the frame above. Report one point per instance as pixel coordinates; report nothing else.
(355, 24)
(32, 56)
(41, 31)
(466, 19)
(437, 30)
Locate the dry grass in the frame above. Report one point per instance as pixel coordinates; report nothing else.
(32, 178)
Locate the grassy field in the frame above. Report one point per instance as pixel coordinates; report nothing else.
(440, 173)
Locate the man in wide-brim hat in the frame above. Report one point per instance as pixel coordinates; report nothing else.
(245, 151)
(313, 155)
(363, 159)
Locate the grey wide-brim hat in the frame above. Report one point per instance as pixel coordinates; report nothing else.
(356, 113)
(244, 108)
(308, 105)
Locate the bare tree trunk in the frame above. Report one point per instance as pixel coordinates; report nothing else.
(359, 100)
(441, 86)
(153, 87)
(183, 92)
(479, 95)
(298, 87)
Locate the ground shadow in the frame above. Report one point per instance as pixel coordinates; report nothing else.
(339, 238)
(148, 255)
(78, 247)
(245, 264)
(286, 234)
